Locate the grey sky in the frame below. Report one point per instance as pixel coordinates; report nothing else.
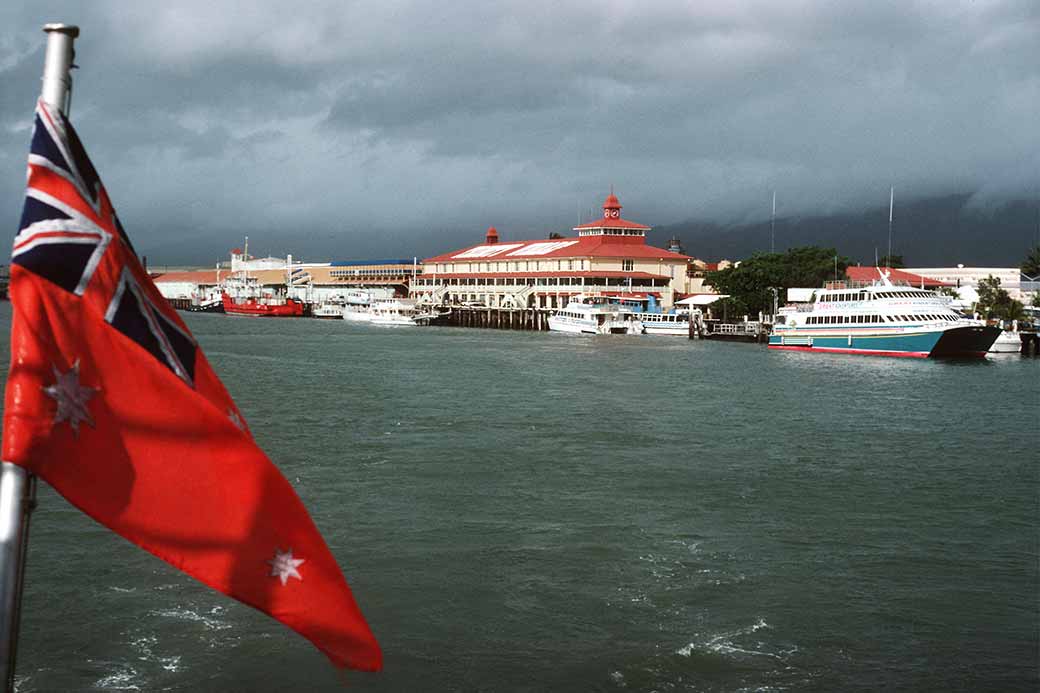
(354, 129)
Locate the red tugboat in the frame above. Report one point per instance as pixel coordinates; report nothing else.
(268, 306)
(248, 299)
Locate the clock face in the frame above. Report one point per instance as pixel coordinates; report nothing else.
(606, 213)
(614, 213)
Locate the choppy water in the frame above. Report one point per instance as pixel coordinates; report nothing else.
(534, 512)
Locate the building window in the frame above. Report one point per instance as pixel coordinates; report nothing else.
(627, 265)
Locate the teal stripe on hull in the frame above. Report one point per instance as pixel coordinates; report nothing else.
(919, 342)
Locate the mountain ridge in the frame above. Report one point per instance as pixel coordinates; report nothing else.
(934, 231)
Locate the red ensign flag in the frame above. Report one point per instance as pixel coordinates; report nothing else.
(111, 401)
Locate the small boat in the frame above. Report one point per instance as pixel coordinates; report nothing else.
(594, 314)
(881, 319)
(393, 311)
(206, 301)
(356, 306)
(330, 309)
(398, 311)
(673, 324)
(1008, 341)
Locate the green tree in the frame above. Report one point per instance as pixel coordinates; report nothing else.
(893, 261)
(749, 282)
(1036, 299)
(995, 303)
(1031, 265)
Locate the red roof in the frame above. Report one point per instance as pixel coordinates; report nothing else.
(896, 276)
(585, 246)
(193, 276)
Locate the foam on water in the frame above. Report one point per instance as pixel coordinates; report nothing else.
(723, 643)
(209, 619)
(123, 679)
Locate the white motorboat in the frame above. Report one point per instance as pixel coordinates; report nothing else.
(674, 324)
(1008, 342)
(332, 308)
(398, 311)
(590, 314)
(394, 311)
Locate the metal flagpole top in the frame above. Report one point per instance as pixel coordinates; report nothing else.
(70, 29)
(57, 82)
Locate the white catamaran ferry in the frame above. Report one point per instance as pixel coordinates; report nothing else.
(882, 319)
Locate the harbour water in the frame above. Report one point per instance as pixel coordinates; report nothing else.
(523, 511)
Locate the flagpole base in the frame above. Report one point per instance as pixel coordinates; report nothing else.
(17, 500)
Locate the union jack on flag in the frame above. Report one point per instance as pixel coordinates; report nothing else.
(165, 458)
(68, 224)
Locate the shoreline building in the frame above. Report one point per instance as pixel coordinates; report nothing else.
(312, 282)
(607, 256)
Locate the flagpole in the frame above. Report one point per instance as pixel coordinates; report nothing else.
(17, 485)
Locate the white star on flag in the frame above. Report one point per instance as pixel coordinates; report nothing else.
(71, 398)
(283, 566)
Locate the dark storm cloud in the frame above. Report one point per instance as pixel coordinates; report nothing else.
(371, 128)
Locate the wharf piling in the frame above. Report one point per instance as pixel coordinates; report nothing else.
(754, 332)
(536, 319)
(1030, 343)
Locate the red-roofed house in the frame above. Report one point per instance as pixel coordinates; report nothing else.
(609, 255)
(869, 275)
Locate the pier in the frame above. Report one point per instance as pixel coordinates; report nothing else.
(1030, 343)
(535, 319)
(753, 332)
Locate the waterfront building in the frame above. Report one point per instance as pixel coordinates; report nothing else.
(313, 282)
(606, 256)
(1011, 279)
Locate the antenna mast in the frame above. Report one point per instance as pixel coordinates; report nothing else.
(772, 227)
(891, 200)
